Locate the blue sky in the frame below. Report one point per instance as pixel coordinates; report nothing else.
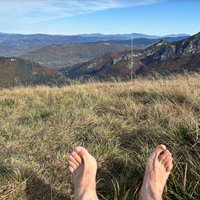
(71, 17)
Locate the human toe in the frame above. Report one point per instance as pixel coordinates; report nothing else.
(169, 168)
(167, 157)
(82, 152)
(159, 149)
(76, 157)
(72, 159)
(72, 165)
(71, 169)
(162, 156)
(168, 162)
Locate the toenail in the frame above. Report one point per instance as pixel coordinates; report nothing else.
(78, 149)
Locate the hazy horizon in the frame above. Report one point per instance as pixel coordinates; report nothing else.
(93, 34)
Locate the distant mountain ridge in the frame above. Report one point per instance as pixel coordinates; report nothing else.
(163, 57)
(12, 44)
(44, 39)
(140, 43)
(135, 35)
(139, 35)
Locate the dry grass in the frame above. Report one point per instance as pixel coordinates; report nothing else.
(119, 123)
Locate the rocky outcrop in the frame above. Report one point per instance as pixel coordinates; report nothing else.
(115, 61)
(163, 49)
(162, 42)
(91, 66)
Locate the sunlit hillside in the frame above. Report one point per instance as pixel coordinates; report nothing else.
(19, 72)
(119, 123)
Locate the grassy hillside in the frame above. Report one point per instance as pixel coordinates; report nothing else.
(18, 72)
(119, 124)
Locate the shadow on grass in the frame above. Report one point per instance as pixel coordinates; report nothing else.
(41, 191)
(30, 188)
(119, 178)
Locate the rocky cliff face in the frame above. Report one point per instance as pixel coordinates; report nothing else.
(163, 49)
(172, 57)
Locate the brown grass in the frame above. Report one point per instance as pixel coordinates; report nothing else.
(119, 124)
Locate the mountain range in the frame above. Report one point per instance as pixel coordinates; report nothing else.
(140, 43)
(13, 48)
(100, 59)
(41, 47)
(163, 57)
(66, 56)
(44, 39)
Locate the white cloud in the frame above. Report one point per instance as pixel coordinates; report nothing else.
(34, 11)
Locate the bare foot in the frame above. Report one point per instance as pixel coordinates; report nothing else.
(157, 171)
(83, 169)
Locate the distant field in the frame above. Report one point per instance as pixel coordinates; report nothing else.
(119, 123)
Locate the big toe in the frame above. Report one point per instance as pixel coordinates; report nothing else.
(82, 152)
(159, 149)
